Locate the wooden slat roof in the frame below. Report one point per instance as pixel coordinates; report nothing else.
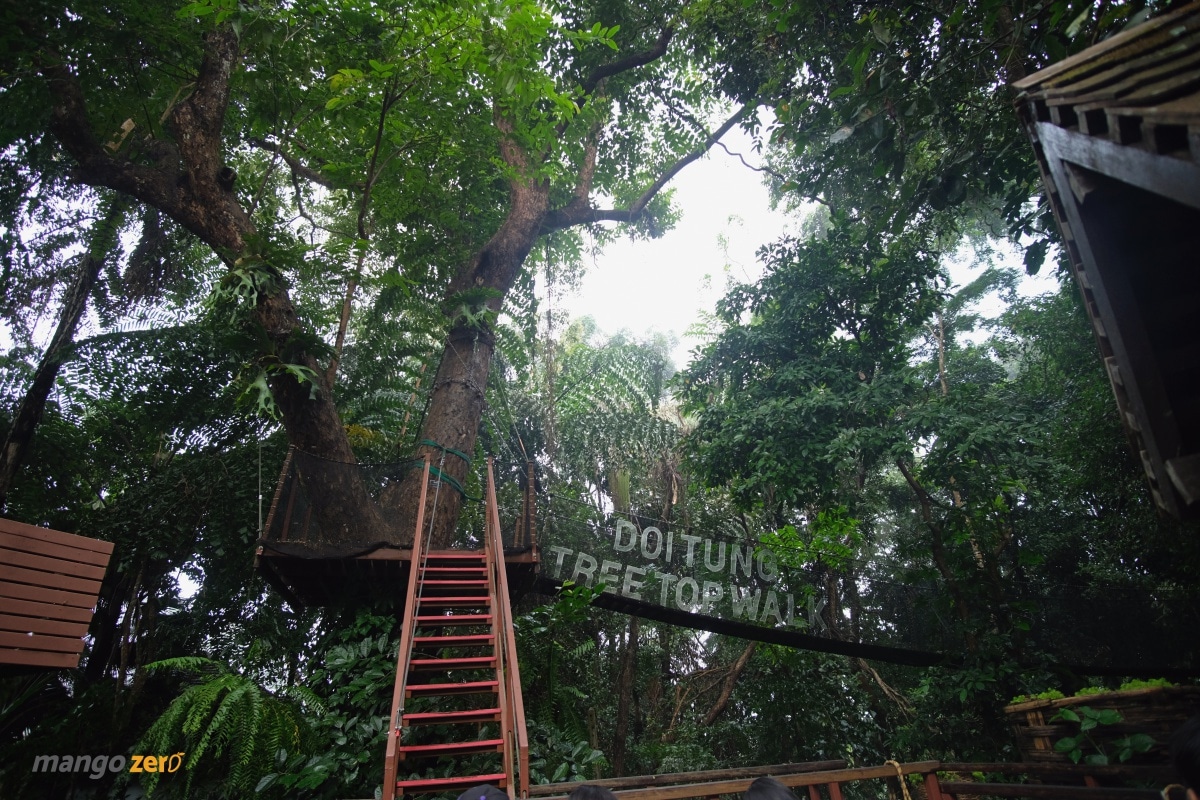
(1116, 131)
(49, 581)
(1139, 88)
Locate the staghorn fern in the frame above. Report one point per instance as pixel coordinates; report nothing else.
(225, 724)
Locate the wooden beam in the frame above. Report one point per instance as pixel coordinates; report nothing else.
(55, 537)
(641, 781)
(39, 658)
(31, 608)
(1046, 791)
(52, 565)
(1066, 769)
(53, 596)
(1184, 472)
(23, 641)
(27, 544)
(1173, 178)
(35, 577)
(690, 790)
(54, 627)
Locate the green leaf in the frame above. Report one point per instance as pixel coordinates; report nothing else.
(1065, 744)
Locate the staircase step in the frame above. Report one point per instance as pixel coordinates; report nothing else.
(451, 717)
(454, 619)
(478, 662)
(454, 584)
(454, 602)
(469, 687)
(456, 556)
(423, 785)
(450, 748)
(474, 640)
(438, 572)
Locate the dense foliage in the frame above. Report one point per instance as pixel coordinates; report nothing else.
(259, 224)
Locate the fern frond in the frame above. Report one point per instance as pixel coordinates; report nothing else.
(187, 664)
(585, 647)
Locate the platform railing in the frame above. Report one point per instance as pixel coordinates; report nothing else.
(404, 654)
(512, 708)
(929, 780)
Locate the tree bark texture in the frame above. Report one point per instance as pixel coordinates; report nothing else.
(184, 176)
(457, 402)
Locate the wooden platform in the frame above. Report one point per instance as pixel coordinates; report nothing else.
(314, 578)
(49, 581)
(1116, 130)
(296, 558)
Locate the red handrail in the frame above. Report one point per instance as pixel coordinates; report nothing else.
(512, 704)
(404, 653)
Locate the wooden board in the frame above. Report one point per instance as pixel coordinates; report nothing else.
(738, 786)
(49, 581)
(643, 781)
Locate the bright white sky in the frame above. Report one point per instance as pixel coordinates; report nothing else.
(664, 284)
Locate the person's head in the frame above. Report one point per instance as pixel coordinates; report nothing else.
(767, 788)
(1185, 755)
(484, 791)
(588, 791)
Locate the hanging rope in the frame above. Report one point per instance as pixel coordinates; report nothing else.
(900, 775)
(437, 489)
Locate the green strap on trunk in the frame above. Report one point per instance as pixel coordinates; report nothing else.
(450, 480)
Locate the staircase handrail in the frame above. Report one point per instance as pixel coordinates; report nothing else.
(404, 652)
(509, 671)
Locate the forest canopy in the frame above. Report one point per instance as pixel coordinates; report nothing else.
(233, 228)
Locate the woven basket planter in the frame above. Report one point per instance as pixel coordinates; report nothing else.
(1157, 712)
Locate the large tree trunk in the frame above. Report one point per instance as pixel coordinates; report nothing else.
(33, 404)
(187, 179)
(457, 403)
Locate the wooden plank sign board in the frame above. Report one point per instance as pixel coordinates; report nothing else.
(49, 581)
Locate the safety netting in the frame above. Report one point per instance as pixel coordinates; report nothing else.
(723, 577)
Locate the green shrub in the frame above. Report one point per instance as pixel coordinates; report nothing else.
(1152, 683)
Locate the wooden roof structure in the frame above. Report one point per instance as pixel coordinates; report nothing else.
(49, 581)
(1116, 129)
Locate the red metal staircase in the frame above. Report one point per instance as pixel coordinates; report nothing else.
(457, 717)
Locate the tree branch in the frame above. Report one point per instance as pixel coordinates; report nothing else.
(938, 547)
(631, 61)
(298, 167)
(70, 124)
(766, 170)
(580, 211)
(730, 681)
(189, 181)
